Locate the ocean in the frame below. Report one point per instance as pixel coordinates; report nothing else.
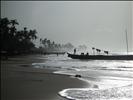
(107, 79)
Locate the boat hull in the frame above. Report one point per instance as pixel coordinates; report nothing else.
(101, 57)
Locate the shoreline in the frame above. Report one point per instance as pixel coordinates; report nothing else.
(22, 82)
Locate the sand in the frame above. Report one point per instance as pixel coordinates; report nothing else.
(20, 81)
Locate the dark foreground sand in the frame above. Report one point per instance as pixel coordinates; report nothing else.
(19, 81)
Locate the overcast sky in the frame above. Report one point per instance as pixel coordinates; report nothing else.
(93, 23)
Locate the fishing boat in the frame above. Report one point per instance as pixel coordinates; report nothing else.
(101, 57)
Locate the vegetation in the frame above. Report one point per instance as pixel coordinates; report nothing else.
(99, 51)
(14, 41)
(50, 46)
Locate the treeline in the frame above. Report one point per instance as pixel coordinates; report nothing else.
(47, 45)
(15, 41)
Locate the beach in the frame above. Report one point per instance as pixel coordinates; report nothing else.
(66, 50)
(52, 77)
(20, 81)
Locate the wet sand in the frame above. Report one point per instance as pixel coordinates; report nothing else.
(19, 81)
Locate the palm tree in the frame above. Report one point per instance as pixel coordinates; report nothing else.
(32, 34)
(26, 37)
(106, 52)
(13, 28)
(4, 22)
(25, 33)
(40, 40)
(4, 33)
(14, 22)
(44, 42)
(59, 46)
(4, 26)
(49, 43)
(53, 44)
(98, 51)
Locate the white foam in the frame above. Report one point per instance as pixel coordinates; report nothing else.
(108, 76)
(119, 93)
(78, 65)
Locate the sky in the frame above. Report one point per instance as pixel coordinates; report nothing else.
(99, 24)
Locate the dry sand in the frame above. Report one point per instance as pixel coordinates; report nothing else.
(19, 81)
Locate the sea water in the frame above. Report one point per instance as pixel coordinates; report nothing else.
(107, 79)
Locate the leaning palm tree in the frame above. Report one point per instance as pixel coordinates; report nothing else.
(106, 52)
(98, 51)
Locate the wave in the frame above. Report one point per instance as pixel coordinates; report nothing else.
(118, 93)
(108, 79)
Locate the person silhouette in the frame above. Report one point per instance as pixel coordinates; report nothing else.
(75, 51)
(87, 53)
